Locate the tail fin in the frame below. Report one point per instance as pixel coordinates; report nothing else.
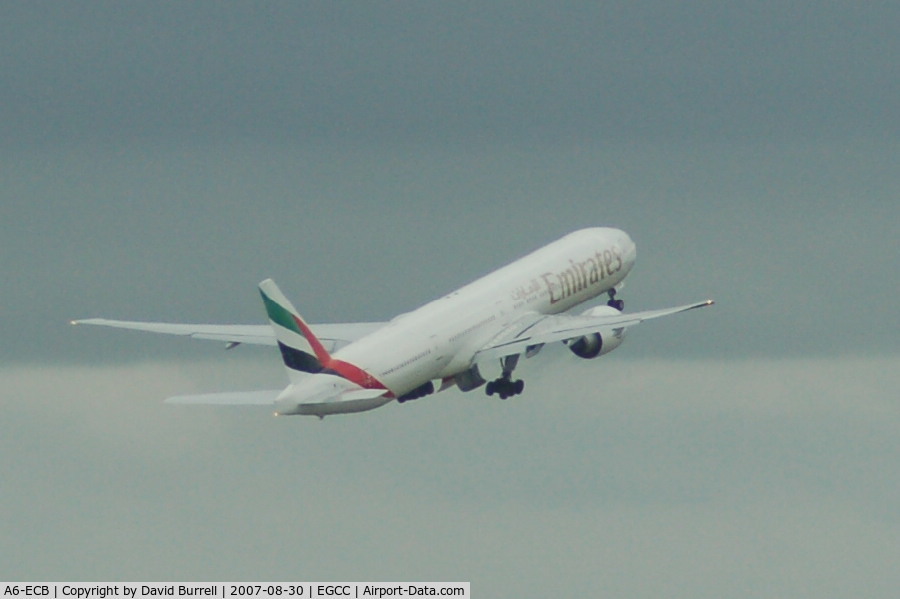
(301, 350)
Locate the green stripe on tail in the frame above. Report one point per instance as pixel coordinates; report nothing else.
(280, 315)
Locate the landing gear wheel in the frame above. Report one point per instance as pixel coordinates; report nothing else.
(505, 388)
(613, 302)
(617, 304)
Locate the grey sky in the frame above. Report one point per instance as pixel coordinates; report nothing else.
(466, 71)
(159, 159)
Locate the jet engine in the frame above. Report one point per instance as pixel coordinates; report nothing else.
(421, 391)
(601, 342)
(469, 379)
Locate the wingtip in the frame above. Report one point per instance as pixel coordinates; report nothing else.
(78, 321)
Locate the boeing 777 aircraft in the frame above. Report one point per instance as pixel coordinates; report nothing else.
(514, 311)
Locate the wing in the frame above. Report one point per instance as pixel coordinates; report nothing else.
(331, 335)
(535, 330)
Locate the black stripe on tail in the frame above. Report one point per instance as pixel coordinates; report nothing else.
(299, 360)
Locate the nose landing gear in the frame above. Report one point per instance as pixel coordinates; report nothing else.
(613, 302)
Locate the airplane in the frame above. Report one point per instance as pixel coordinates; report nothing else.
(512, 312)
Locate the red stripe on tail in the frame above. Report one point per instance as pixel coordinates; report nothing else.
(346, 370)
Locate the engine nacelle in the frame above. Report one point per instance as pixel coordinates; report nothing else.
(469, 379)
(602, 342)
(601, 311)
(597, 344)
(421, 391)
(587, 347)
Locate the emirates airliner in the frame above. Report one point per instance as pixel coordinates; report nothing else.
(511, 312)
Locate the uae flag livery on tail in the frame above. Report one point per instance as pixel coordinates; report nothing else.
(302, 352)
(300, 349)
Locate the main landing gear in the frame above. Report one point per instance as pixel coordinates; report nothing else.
(613, 302)
(505, 386)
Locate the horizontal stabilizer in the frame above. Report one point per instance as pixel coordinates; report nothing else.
(234, 398)
(361, 394)
(342, 402)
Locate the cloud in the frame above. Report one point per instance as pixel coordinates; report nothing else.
(692, 478)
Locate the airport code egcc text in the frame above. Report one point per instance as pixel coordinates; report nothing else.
(237, 590)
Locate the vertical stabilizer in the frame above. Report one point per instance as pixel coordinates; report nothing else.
(301, 351)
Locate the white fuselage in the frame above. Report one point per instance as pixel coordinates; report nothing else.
(440, 339)
(510, 312)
